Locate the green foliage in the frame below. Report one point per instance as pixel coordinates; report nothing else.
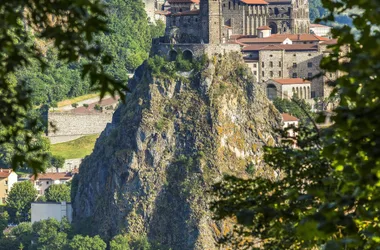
(78, 148)
(295, 107)
(57, 161)
(327, 193)
(19, 199)
(80, 242)
(74, 105)
(120, 242)
(58, 193)
(72, 31)
(49, 234)
(130, 36)
(4, 218)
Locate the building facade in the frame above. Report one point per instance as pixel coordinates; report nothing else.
(55, 210)
(44, 181)
(7, 179)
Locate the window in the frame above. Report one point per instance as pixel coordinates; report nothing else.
(6, 191)
(262, 64)
(309, 65)
(271, 55)
(279, 73)
(279, 64)
(6, 182)
(309, 75)
(294, 75)
(271, 64)
(47, 183)
(263, 73)
(312, 94)
(255, 65)
(294, 65)
(255, 73)
(271, 74)
(309, 54)
(294, 55)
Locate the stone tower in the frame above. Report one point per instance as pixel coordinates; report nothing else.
(211, 21)
(300, 17)
(289, 16)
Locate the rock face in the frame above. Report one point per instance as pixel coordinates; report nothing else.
(152, 167)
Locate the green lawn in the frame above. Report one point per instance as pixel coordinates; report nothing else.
(77, 99)
(78, 148)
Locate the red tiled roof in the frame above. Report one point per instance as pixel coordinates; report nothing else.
(254, 1)
(183, 1)
(4, 173)
(279, 38)
(264, 28)
(53, 176)
(187, 13)
(330, 42)
(317, 25)
(288, 118)
(286, 81)
(286, 47)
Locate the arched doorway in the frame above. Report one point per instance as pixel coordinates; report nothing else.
(188, 55)
(273, 26)
(271, 92)
(173, 55)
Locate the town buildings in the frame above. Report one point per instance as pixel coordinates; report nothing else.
(7, 178)
(44, 181)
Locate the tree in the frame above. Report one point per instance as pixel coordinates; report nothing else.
(68, 25)
(80, 242)
(48, 234)
(57, 162)
(19, 201)
(58, 193)
(329, 195)
(4, 218)
(294, 107)
(23, 234)
(120, 242)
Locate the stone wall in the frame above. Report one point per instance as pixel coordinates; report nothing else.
(70, 124)
(307, 65)
(197, 50)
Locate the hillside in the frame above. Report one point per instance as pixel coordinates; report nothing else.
(177, 134)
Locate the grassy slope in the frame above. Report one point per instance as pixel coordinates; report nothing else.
(77, 99)
(78, 148)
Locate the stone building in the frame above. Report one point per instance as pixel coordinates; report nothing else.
(214, 21)
(286, 88)
(288, 16)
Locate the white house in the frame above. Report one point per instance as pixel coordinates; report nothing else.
(290, 120)
(43, 181)
(320, 30)
(46, 210)
(7, 179)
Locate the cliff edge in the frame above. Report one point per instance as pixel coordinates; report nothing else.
(176, 135)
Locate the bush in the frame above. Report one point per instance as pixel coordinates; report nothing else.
(74, 105)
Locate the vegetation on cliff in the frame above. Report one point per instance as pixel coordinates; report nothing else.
(179, 131)
(328, 195)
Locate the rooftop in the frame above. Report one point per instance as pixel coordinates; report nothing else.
(254, 1)
(4, 173)
(187, 13)
(279, 38)
(287, 81)
(289, 118)
(183, 1)
(53, 176)
(286, 47)
(264, 28)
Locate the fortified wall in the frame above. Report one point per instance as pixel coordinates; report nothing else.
(195, 50)
(72, 124)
